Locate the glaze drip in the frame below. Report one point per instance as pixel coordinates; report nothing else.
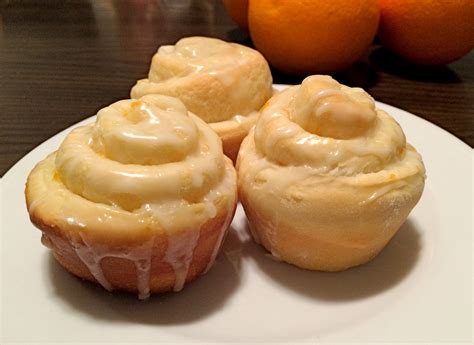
(180, 254)
(146, 167)
(140, 256)
(92, 261)
(221, 237)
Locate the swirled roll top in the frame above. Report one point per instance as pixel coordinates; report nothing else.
(154, 130)
(216, 80)
(325, 177)
(193, 55)
(332, 128)
(142, 152)
(324, 107)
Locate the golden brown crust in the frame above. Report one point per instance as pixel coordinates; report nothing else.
(121, 272)
(135, 203)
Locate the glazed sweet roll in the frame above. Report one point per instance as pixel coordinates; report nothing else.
(223, 83)
(326, 179)
(138, 201)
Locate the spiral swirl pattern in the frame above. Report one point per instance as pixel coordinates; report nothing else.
(143, 161)
(216, 80)
(141, 152)
(147, 184)
(333, 129)
(325, 177)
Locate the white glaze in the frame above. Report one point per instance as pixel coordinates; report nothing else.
(283, 159)
(92, 261)
(383, 190)
(282, 140)
(85, 171)
(89, 185)
(179, 254)
(220, 238)
(304, 164)
(139, 255)
(215, 79)
(151, 131)
(198, 55)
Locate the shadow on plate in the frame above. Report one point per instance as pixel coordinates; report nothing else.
(391, 63)
(209, 293)
(201, 298)
(384, 272)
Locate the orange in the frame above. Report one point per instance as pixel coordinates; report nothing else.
(428, 31)
(237, 10)
(312, 36)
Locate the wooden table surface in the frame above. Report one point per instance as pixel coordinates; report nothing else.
(61, 61)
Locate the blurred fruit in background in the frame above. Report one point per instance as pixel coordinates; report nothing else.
(428, 32)
(324, 36)
(307, 36)
(238, 10)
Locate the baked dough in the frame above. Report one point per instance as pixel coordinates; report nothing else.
(326, 179)
(223, 83)
(138, 201)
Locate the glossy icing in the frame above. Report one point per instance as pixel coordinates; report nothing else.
(284, 131)
(322, 138)
(131, 183)
(180, 254)
(145, 164)
(326, 179)
(216, 80)
(197, 55)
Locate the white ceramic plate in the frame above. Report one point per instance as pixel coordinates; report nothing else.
(418, 289)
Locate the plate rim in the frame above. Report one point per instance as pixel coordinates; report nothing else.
(13, 179)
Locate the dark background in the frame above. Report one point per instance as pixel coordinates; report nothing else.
(61, 61)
